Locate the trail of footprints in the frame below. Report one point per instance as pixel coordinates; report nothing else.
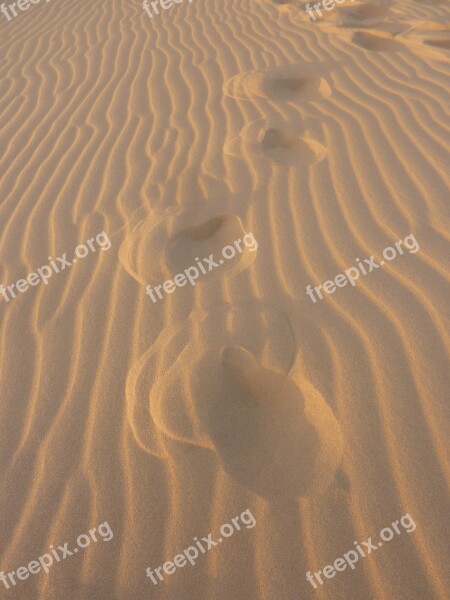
(384, 25)
(271, 430)
(272, 139)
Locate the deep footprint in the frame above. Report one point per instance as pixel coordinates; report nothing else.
(275, 437)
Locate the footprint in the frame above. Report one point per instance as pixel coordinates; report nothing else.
(163, 245)
(376, 43)
(220, 382)
(287, 83)
(350, 14)
(434, 35)
(371, 16)
(275, 437)
(211, 238)
(438, 43)
(370, 10)
(274, 141)
(366, 13)
(172, 386)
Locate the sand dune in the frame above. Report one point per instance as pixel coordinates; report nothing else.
(177, 135)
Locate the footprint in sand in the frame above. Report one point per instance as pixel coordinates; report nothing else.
(365, 14)
(220, 381)
(430, 38)
(276, 141)
(287, 83)
(376, 43)
(368, 10)
(443, 43)
(276, 437)
(371, 16)
(368, 15)
(167, 243)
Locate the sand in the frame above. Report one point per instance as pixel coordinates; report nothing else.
(328, 420)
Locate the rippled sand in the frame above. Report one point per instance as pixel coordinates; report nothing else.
(178, 135)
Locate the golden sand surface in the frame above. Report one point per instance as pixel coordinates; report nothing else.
(176, 136)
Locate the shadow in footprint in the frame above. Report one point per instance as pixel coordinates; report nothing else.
(376, 43)
(438, 43)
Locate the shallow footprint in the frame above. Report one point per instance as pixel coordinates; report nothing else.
(275, 437)
(376, 43)
(162, 246)
(287, 83)
(275, 142)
